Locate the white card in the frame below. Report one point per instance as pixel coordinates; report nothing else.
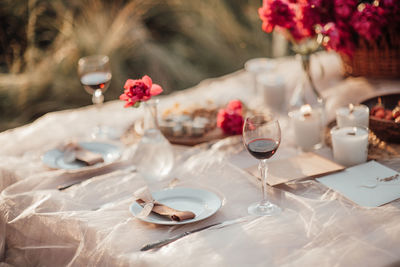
(370, 184)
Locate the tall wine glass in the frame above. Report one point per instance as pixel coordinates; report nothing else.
(95, 76)
(262, 137)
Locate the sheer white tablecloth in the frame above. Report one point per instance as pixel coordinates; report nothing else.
(90, 224)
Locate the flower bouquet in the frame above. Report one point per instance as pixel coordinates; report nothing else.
(364, 33)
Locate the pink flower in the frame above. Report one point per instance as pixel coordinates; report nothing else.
(344, 8)
(314, 12)
(235, 106)
(139, 90)
(391, 10)
(275, 13)
(230, 119)
(369, 22)
(339, 39)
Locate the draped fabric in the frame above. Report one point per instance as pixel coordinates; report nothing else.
(90, 224)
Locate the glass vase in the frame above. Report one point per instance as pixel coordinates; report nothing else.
(305, 91)
(307, 109)
(154, 156)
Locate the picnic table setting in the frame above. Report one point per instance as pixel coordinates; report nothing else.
(289, 161)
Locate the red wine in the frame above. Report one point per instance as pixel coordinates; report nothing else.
(96, 80)
(262, 148)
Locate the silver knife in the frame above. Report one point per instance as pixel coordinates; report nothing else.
(94, 174)
(164, 242)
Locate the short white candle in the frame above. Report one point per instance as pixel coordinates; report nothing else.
(273, 90)
(350, 145)
(307, 126)
(352, 116)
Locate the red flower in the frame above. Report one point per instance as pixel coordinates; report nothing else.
(314, 12)
(275, 13)
(345, 8)
(339, 39)
(139, 90)
(369, 22)
(391, 9)
(235, 106)
(230, 119)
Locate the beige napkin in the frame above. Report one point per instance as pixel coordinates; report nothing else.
(306, 165)
(144, 199)
(88, 157)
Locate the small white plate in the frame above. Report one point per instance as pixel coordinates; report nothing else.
(201, 202)
(55, 158)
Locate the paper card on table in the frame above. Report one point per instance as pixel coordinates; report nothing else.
(306, 165)
(370, 184)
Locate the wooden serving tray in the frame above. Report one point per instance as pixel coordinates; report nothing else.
(211, 135)
(131, 136)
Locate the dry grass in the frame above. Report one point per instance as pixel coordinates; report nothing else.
(177, 42)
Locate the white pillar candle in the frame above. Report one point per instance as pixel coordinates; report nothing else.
(307, 127)
(352, 116)
(273, 90)
(350, 145)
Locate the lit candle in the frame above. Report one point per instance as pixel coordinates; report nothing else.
(352, 116)
(350, 145)
(307, 126)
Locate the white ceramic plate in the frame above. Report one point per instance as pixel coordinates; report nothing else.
(55, 158)
(201, 202)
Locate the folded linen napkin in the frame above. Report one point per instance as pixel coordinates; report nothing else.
(80, 153)
(144, 199)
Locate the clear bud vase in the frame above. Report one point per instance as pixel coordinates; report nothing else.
(307, 110)
(154, 156)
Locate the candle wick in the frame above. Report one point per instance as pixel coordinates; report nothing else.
(351, 133)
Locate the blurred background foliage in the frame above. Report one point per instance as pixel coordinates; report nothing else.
(177, 42)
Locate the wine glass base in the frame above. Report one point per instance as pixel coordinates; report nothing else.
(265, 209)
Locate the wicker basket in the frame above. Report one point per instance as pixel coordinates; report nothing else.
(373, 62)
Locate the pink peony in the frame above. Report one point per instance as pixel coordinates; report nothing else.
(275, 13)
(139, 90)
(230, 119)
(369, 22)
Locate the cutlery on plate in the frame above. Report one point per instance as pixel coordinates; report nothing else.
(166, 241)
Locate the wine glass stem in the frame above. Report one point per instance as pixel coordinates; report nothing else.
(263, 166)
(98, 99)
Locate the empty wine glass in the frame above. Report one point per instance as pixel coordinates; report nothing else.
(95, 76)
(262, 137)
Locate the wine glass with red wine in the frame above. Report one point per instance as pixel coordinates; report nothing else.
(262, 137)
(95, 76)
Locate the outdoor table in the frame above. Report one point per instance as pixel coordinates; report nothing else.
(89, 224)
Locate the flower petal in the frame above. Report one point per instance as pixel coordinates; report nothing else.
(147, 81)
(155, 90)
(128, 104)
(123, 97)
(129, 83)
